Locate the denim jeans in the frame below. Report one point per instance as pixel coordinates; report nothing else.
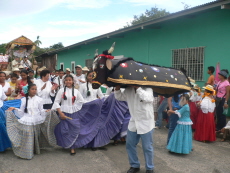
(161, 108)
(132, 140)
(221, 118)
(173, 118)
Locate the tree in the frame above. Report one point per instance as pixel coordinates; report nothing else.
(57, 46)
(2, 48)
(38, 42)
(151, 14)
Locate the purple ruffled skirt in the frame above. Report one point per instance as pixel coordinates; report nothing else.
(94, 125)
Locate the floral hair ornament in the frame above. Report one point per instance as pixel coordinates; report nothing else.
(25, 89)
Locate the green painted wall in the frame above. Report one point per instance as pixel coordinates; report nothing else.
(209, 28)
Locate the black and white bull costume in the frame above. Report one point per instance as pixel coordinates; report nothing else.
(125, 72)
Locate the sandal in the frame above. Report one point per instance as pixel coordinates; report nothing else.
(115, 143)
(222, 140)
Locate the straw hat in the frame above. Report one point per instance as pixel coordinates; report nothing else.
(85, 69)
(20, 66)
(7, 73)
(78, 66)
(209, 88)
(67, 69)
(15, 69)
(43, 68)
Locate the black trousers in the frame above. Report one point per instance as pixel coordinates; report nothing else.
(221, 118)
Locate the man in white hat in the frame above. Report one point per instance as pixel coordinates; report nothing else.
(80, 77)
(17, 72)
(21, 67)
(68, 72)
(85, 70)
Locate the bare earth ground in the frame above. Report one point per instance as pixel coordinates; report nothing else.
(206, 158)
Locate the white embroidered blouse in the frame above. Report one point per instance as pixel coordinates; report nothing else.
(93, 92)
(45, 93)
(207, 105)
(67, 105)
(35, 112)
(2, 96)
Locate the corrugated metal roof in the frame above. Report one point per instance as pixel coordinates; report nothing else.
(189, 11)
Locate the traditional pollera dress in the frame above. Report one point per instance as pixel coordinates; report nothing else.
(33, 130)
(205, 128)
(181, 139)
(4, 139)
(93, 123)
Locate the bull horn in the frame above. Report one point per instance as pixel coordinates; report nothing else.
(96, 52)
(112, 48)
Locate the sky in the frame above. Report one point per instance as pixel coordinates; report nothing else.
(72, 21)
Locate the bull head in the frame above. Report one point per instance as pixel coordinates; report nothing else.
(100, 69)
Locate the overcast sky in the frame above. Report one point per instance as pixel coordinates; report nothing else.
(72, 21)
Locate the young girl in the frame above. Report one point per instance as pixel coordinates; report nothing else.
(28, 133)
(71, 101)
(87, 91)
(181, 139)
(13, 84)
(25, 80)
(205, 128)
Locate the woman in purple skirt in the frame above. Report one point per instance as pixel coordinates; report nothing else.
(89, 125)
(67, 102)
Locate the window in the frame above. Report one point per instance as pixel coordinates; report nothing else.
(89, 63)
(62, 66)
(72, 66)
(191, 59)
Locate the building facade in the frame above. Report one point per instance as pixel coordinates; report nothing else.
(193, 39)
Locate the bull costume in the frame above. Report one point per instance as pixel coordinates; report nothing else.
(143, 79)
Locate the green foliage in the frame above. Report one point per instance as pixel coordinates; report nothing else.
(38, 42)
(151, 14)
(57, 46)
(2, 48)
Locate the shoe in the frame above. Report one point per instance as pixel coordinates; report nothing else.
(133, 170)
(149, 171)
(72, 154)
(94, 149)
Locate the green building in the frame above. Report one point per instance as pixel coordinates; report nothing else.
(193, 39)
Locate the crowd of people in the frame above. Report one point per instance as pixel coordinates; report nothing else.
(45, 109)
(202, 111)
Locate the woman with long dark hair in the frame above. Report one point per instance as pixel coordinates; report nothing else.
(87, 91)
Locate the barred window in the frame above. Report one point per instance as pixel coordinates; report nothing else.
(191, 59)
(89, 63)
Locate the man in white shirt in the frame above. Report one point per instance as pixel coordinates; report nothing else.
(141, 124)
(58, 78)
(80, 77)
(15, 63)
(26, 63)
